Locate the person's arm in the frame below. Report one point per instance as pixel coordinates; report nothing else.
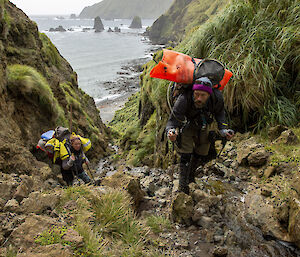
(68, 162)
(177, 116)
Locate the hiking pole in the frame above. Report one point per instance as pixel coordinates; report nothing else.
(224, 141)
(91, 174)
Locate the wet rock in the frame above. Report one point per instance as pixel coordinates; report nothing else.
(269, 171)
(294, 221)
(260, 213)
(199, 195)
(98, 25)
(245, 149)
(220, 251)
(12, 206)
(287, 137)
(275, 132)
(182, 208)
(205, 222)
(58, 29)
(258, 158)
(73, 237)
(38, 202)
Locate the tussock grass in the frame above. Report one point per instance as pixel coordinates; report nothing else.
(158, 224)
(49, 51)
(107, 223)
(24, 81)
(259, 42)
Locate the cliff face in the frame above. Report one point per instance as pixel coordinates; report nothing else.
(182, 17)
(126, 9)
(38, 88)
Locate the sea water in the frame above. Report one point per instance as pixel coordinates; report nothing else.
(96, 57)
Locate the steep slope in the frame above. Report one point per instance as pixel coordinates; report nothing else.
(182, 17)
(38, 88)
(126, 9)
(259, 42)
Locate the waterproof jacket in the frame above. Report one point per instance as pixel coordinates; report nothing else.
(185, 113)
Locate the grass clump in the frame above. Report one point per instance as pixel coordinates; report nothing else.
(107, 223)
(258, 42)
(52, 236)
(49, 51)
(26, 82)
(158, 224)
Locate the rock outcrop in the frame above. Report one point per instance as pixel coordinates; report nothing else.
(98, 25)
(136, 23)
(58, 29)
(126, 9)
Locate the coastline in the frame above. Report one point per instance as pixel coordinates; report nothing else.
(126, 84)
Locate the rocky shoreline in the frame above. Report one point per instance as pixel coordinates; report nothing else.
(126, 84)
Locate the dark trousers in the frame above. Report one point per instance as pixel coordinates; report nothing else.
(68, 176)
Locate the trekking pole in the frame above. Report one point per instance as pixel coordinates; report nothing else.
(91, 174)
(224, 141)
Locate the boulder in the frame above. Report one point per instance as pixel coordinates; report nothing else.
(287, 137)
(294, 221)
(98, 25)
(73, 237)
(258, 158)
(12, 206)
(23, 189)
(109, 30)
(182, 208)
(136, 23)
(128, 182)
(269, 171)
(245, 149)
(23, 237)
(275, 132)
(116, 29)
(38, 202)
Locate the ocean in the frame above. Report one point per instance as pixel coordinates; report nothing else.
(96, 57)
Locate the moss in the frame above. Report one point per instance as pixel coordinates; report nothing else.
(49, 51)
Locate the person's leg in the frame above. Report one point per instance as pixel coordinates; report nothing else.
(67, 176)
(86, 179)
(185, 149)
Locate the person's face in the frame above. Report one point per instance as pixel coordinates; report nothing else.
(200, 98)
(76, 145)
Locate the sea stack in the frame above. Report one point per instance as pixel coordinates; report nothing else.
(136, 23)
(98, 25)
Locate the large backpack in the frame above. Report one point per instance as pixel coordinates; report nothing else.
(56, 143)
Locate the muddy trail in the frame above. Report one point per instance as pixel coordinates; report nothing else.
(228, 212)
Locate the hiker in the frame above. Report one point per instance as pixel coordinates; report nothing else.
(72, 165)
(189, 125)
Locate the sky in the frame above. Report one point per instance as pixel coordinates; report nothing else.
(32, 7)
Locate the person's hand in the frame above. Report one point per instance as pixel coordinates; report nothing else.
(228, 133)
(72, 157)
(172, 134)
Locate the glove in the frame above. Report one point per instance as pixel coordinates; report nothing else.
(224, 132)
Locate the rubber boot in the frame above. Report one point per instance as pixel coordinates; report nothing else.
(194, 164)
(184, 178)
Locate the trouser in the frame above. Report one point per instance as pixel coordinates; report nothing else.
(68, 177)
(194, 147)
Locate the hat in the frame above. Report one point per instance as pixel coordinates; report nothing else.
(203, 84)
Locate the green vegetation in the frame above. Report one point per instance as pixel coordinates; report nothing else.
(259, 42)
(24, 81)
(107, 223)
(182, 18)
(158, 224)
(52, 236)
(49, 51)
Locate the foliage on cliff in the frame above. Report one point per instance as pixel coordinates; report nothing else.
(126, 9)
(184, 16)
(259, 42)
(38, 90)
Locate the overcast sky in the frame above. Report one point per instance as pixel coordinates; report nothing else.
(31, 7)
